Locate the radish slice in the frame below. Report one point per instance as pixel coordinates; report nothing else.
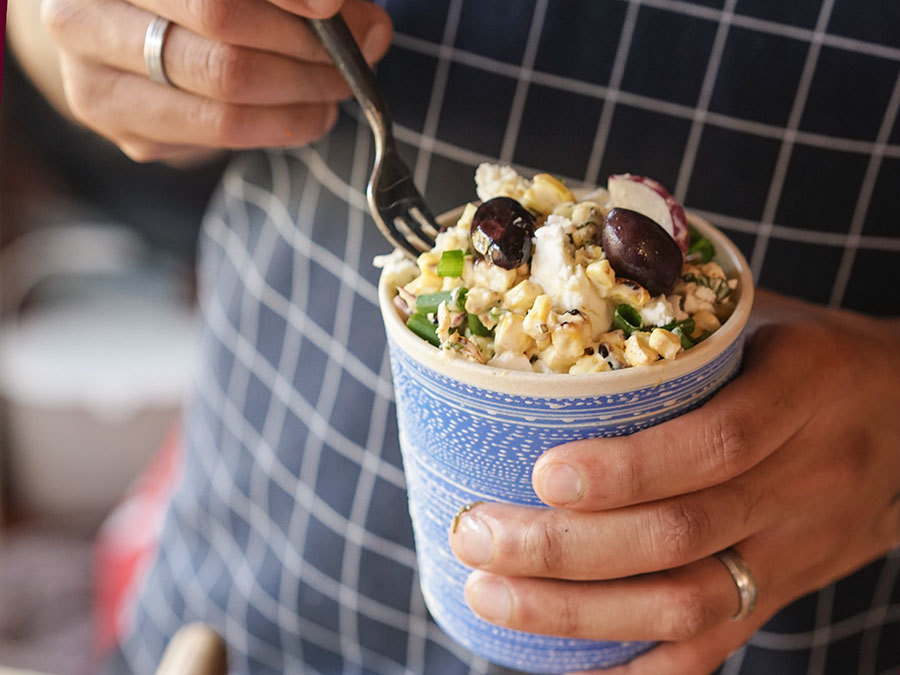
(651, 199)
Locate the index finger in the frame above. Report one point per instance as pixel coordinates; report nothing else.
(739, 427)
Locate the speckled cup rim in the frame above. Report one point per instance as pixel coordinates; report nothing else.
(552, 385)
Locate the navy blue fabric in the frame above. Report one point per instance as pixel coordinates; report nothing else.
(776, 121)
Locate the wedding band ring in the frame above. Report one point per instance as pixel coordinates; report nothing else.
(743, 580)
(153, 49)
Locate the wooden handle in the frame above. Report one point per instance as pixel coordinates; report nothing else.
(196, 649)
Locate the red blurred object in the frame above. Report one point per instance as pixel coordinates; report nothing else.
(126, 543)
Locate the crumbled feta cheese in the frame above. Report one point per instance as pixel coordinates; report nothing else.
(657, 312)
(494, 180)
(579, 293)
(399, 270)
(552, 261)
(698, 298)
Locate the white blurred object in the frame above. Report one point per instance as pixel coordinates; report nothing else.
(92, 372)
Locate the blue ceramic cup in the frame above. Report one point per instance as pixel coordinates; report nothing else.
(470, 432)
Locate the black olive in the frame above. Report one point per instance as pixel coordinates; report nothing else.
(640, 249)
(501, 232)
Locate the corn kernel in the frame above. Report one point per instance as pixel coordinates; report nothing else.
(584, 212)
(665, 342)
(427, 282)
(551, 361)
(712, 270)
(568, 339)
(465, 219)
(493, 277)
(638, 351)
(704, 322)
(593, 363)
(428, 261)
(480, 300)
(601, 273)
(630, 292)
(537, 320)
(564, 210)
(509, 336)
(546, 193)
(521, 296)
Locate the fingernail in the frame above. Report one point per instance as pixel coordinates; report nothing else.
(475, 543)
(490, 598)
(561, 484)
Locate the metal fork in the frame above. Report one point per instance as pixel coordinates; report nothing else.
(396, 205)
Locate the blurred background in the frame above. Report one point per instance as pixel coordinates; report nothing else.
(96, 350)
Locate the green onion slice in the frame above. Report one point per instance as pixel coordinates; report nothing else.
(684, 335)
(628, 319)
(428, 303)
(451, 264)
(478, 328)
(700, 249)
(420, 325)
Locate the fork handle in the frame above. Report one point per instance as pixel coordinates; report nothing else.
(341, 46)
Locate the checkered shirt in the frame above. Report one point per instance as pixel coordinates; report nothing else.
(777, 121)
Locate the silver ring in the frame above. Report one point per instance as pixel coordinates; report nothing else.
(743, 580)
(153, 48)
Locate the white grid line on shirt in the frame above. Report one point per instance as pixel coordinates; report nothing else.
(824, 611)
(733, 664)
(290, 352)
(415, 648)
(835, 632)
(248, 324)
(271, 377)
(706, 92)
(292, 558)
(244, 351)
(326, 342)
(347, 625)
(648, 103)
(776, 185)
(884, 587)
(798, 234)
(438, 91)
(236, 389)
(324, 584)
(774, 28)
(303, 628)
(523, 81)
(598, 147)
(865, 197)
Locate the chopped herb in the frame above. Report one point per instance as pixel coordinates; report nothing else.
(628, 319)
(451, 264)
(420, 325)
